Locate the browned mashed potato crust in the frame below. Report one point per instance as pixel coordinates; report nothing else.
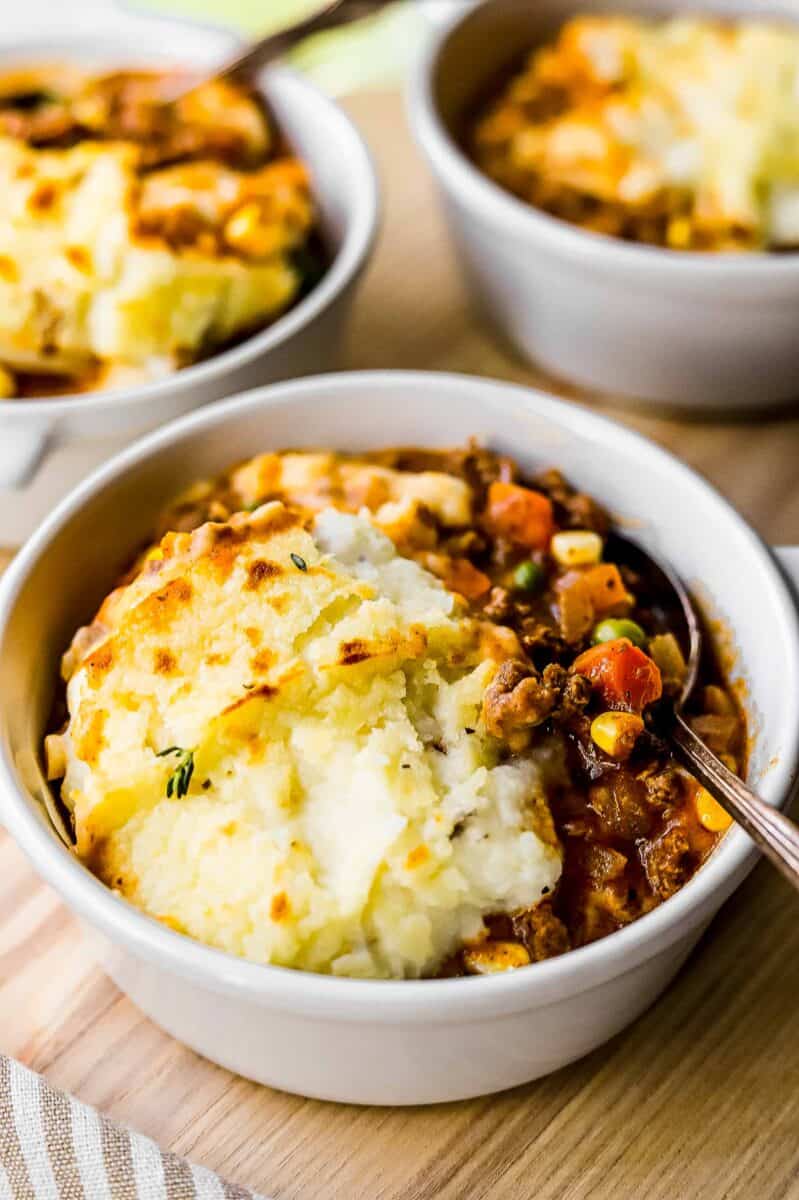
(138, 236)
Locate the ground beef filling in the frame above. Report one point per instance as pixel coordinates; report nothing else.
(519, 698)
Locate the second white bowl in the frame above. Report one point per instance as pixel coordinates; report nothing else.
(701, 331)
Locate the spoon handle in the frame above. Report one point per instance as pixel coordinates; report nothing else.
(775, 835)
(332, 15)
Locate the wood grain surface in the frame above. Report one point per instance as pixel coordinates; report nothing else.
(700, 1098)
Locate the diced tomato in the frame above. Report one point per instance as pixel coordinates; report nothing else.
(460, 576)
(606, 588)
(623, 675)
(521, 515)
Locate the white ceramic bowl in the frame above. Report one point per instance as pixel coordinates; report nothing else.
(687, 330)
(390, 1042)
(63, 438)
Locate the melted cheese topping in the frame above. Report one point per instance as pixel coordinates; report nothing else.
(346, 810)
(683, 132)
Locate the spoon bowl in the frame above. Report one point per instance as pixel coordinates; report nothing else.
(656, 579)
(772, 832)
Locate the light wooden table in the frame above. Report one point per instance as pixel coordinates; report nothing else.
(699, 1099)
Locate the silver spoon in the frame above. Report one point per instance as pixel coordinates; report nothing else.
(773, 833)
(330, 15)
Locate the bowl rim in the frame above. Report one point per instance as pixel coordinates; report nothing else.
(362, 225)
(389, 1000)
(497, 205)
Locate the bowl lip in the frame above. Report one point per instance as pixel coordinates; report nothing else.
(501, 207)
(363, 221)
(409, 1000)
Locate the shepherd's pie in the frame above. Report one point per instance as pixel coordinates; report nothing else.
(137, 237)
(682, 133)
(384, 716)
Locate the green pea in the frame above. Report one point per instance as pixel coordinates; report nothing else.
(610, 629)
(528, 576)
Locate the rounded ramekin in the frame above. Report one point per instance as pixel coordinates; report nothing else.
(662, 327)
(48, 445)
(404, 1042)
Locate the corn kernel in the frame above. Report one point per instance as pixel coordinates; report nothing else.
(55, 756)
(8, 384)
(679, 233)
(248, 232)
(155, 555)
(616, 732)
(577, 548)
(710, 813)
(491, 958)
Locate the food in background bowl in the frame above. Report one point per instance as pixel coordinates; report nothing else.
(138, 236)
(682, 133)
(388, 716)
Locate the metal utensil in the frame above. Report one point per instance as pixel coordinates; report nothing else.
(331, 15)
(770, 830)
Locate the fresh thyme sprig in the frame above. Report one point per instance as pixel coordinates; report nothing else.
(179, 780)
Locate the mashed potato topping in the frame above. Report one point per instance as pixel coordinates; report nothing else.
(137, 237)
(276, 745)
(81, 286)
(682, 133)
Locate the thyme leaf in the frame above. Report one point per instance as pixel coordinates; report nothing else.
(299, 562)
(178, 783)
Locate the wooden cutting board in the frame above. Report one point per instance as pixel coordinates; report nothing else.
(699, 1098)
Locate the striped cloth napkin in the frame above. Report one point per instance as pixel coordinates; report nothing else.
(54, 1148)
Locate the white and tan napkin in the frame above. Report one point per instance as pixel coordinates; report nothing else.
(54, 1148)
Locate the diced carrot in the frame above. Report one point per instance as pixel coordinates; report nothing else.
(606, 588)
(520, 514)
(460, 576)
(623, 675)
(584, 595)
(287, 170)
